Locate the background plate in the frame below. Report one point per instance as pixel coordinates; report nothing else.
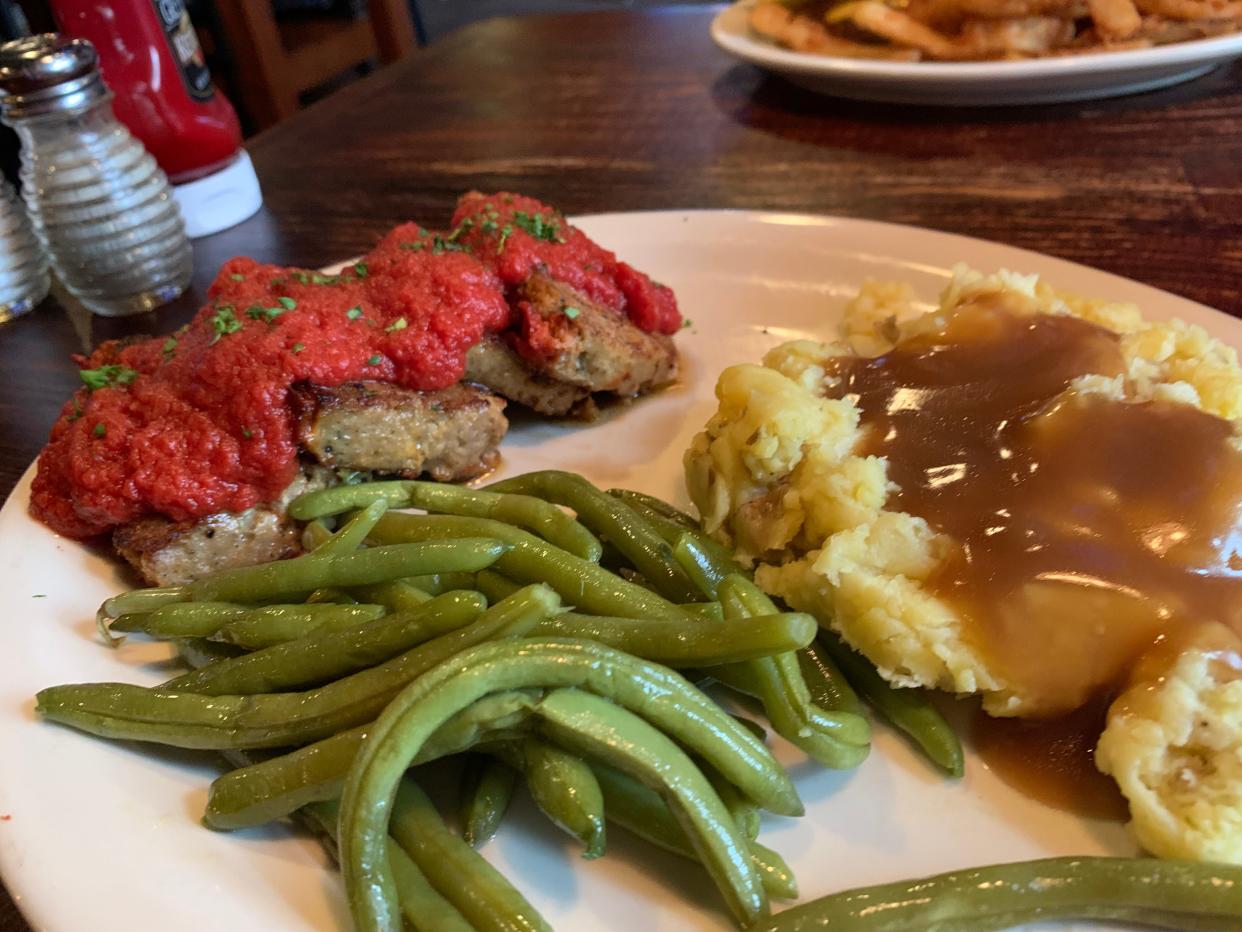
(105, 836)
(977, 84)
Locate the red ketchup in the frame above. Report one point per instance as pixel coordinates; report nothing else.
(151, 60)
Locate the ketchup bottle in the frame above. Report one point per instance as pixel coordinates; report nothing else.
(151, 59)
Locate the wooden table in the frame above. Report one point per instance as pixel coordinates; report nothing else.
(629, 111)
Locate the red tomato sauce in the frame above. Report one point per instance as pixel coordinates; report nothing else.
(199, 422)
(204, 423)
(516, 235)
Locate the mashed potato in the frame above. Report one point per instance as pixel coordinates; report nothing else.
(775, 474)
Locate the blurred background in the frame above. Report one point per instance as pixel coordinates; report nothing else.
(271, 57)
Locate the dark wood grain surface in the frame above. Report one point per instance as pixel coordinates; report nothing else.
(631, 111)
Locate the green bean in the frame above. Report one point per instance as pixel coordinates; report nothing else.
(745, 813)
(712, 611)
(658, 694)
(699, 566)
(278, 624)
(494, 585)
(776, 876)
(440, 583)
(397, 595)
(827, 685)
(906, 709)
(351, 535)
(423, 908)
(535, 515)
(487, 790)
(199, 652)
(703, 560)
(579, 582)
(592, 725)
(479, 891)
(269, 582)
(137, 602)
(330, 595)
(315, 534)
(835, 739)
(658, 506)
(117, 710)
(324, 656)
(642, 811)
(566, 791)
(270, 789)
(1183, 894)
(180, 620)
(669, 530)
(612, 520)
(678, 643)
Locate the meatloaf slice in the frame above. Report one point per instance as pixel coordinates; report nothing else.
(493, 363)
(584, 344)
(450, 434)
(173, 553)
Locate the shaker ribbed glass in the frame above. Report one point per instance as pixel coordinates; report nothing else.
(103, 209)
(23, 264)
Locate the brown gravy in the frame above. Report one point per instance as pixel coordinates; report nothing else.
(1052, 760)
(1089, 529)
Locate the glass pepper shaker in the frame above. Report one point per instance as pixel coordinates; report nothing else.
(98, 202)
(23, 263)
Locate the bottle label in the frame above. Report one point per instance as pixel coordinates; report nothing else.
(187, 53)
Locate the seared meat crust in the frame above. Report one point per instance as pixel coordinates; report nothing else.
(493, 363)
(173, 553)
(593, 347)
(450, 434)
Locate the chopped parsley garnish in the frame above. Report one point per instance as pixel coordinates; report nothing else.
(259, 312)
(246, 433)
(399, 324)
(77, 410)
(570, 312)
(440, 245)
(538, 226)
(298, 347)
(287, 303)
(354, 313)
(373, 361)
(237, 278)
(100, 429)
(107, 376)
(687, 323)
(360, 270)
(169, 347)
(224, 322)
(318, 278)
(413, 247)
(505, 233)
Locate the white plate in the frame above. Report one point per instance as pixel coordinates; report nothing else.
(104, 836)
(976, 84)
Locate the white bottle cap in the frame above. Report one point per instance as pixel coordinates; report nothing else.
(220, 200)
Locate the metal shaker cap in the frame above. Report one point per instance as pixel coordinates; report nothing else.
(48, 73)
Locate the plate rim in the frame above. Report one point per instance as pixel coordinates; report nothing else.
(740, 43)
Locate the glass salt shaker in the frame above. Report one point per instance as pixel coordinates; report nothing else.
(23, 263)
(98, 202)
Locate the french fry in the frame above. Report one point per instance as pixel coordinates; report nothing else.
(803, 34)
(1193, 9)
(976, 30)
(1115, 19)
(902, 29)
(1026, 37)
